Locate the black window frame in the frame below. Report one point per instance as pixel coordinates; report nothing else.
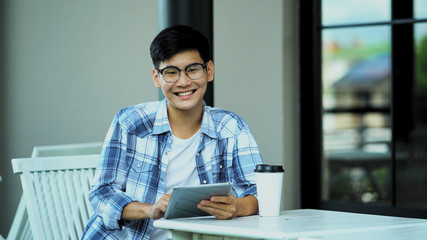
(310, 32)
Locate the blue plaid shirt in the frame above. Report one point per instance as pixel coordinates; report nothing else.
(131, 167)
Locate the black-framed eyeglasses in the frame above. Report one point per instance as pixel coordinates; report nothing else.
(171, 74)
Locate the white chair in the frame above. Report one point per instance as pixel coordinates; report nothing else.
(56, 190)
(20, 228)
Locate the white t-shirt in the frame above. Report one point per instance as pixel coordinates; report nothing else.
(181, 169)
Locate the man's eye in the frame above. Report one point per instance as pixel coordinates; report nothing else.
(193, 69)
(170, 72)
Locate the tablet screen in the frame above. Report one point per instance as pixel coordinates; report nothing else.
(183, 201)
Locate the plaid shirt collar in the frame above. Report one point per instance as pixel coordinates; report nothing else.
(161, 123)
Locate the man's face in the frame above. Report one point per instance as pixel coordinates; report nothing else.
(185, 94)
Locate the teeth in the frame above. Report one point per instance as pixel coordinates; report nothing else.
(184, 93)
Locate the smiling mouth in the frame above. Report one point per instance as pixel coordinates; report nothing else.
(186, 93)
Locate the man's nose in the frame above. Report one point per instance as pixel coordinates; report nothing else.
(183, 79)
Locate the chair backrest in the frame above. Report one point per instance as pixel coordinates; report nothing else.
(56, 190)
(67, 149)
(20, 228)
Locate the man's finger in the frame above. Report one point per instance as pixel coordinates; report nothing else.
(218, 213)
(223, 199)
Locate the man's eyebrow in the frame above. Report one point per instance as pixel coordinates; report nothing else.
(183, 67)
(167, 66)
(170, 66)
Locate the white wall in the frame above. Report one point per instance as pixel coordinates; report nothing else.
(255, 57)
(71, 65)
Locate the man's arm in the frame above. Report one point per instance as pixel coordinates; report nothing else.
(227, 207)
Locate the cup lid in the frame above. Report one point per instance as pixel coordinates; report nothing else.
(268, 168)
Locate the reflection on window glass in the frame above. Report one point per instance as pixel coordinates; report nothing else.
(335, 12)
(420, 8)
(356, 66)
(411, 161)
(356, 121)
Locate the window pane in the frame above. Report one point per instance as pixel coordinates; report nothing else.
(412, 154)
(355, 11)
(420, 8)
(356, 121)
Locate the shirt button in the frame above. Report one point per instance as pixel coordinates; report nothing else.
(198, 154)
(204, 181)
(138, 165)
(220, 166)
(161, 179)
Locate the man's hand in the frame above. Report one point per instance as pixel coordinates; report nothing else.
(227, 207)
(158, 209)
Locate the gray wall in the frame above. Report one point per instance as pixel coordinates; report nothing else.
(70, 66)
(256, 77)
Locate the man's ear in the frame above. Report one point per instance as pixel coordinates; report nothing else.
(156, 78)
(210, 69)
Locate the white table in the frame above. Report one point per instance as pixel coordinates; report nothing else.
(395, 233)
(298, 224)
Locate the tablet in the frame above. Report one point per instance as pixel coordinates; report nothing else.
(183, 201)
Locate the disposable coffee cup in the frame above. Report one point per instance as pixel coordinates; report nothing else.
(269, 187)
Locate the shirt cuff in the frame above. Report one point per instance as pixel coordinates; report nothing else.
(250, 191)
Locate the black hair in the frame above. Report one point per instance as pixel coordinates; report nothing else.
(176, 39)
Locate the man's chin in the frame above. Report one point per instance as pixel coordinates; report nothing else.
(185, 105)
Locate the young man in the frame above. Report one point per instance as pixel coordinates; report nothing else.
(152, 147)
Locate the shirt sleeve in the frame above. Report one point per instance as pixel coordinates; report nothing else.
(107, 195)
(246, 156)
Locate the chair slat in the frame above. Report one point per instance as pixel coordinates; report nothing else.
(83, 213)
(26, 232)
(67, 205)
(87, 182)
(73, 199)
(50, 195)
(31, 204)
(40, 202)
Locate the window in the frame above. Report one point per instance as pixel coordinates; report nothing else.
(364, 106)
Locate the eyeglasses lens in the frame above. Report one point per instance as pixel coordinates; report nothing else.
(194, 72)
